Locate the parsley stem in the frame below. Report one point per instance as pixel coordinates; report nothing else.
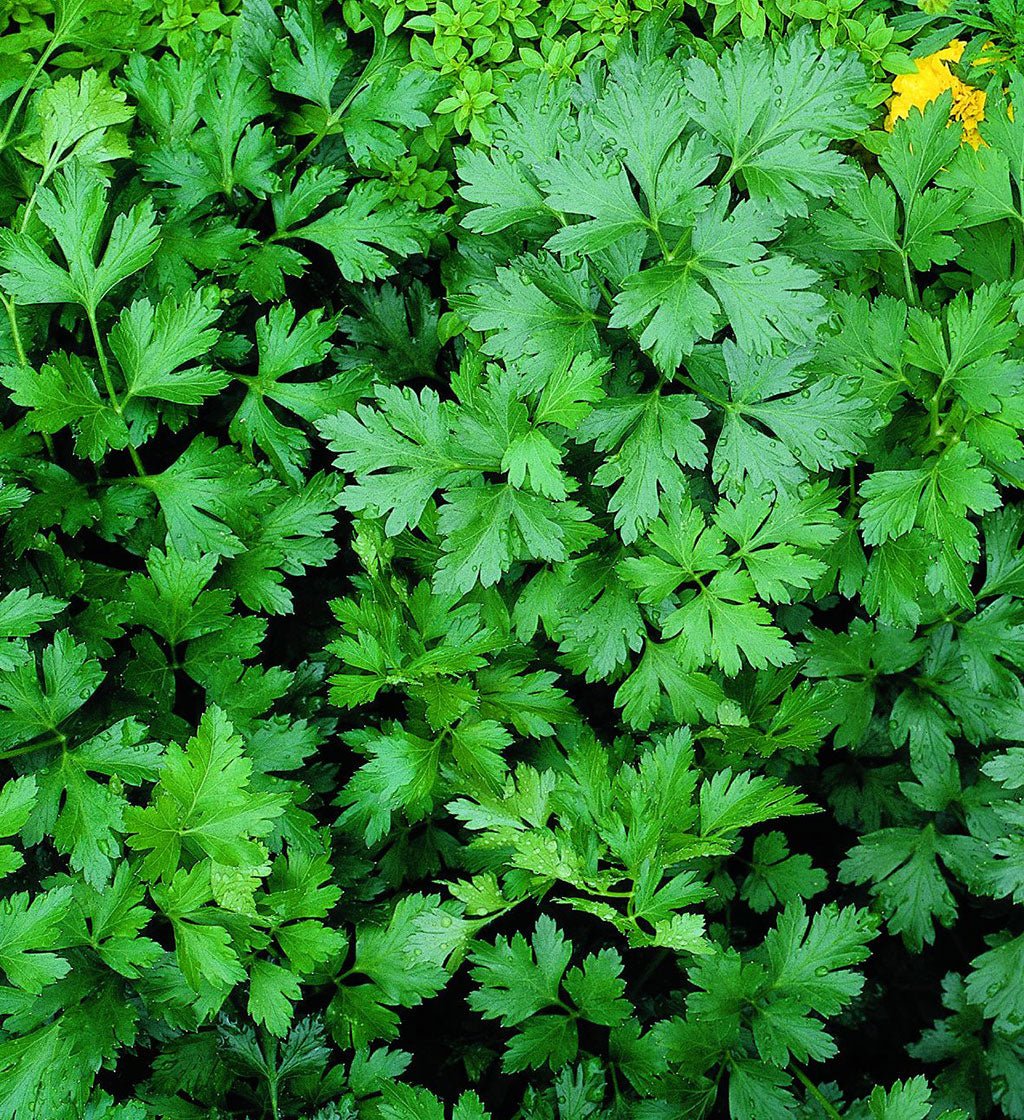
(334, 118)
(108, 381)
(19, 350)
(57, 739)
(690, 384)
(602, 287)
(616, 1091)
(662, 243)
(272, 1089)
(26, 88)
(908, 281)
(933, 414)
(823, 1102)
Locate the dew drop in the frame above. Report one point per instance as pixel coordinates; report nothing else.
(805, 394)
(622, 153)
(761, 270)
(517, 154)
(821, 434)
(444, 921)
(778, 89)
(778, 102)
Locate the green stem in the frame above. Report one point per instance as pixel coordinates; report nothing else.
(26, 88)
(616, 1091)
(678, 245)
(19, 350)
(57, 739)
(318, 137)
(602, 287)
(703, 393)
(274, 1108)
(31, 204)
(823, 1102)
(908, 281)
(12, 316)
(662, 243)
(334, 118)
(935, 425)
(108, 382)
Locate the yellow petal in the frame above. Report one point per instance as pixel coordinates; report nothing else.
(931, 78)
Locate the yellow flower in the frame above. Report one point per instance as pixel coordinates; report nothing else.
(932, 78)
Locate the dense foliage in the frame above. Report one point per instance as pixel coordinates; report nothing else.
(513, 590)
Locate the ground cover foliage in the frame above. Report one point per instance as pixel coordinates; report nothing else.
(513, 600)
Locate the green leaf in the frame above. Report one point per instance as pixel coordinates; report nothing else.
(777, 878)
(487, 528)
(902, 867)
(810, 960)
(908, 1100)
(22, 614)
(722, 622)
(521, 984)
(152, 344)
(758, 1092)
(75, 117)
(199, 493)
(403, 962)
(937, 496)
(28, 930)
(85, 816)
(580, 183)
(204, 805)
(31, 707)
(778, 424)
(991, 984)
(730, 802)
(919, 145)
(74, 211)
(63, 394)
(17, 799)
(533, 308)
(286, 346)
(772, 113)
(725, 276)
(409, 438)
(272, 993)
(367, 227)
(651, 439)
